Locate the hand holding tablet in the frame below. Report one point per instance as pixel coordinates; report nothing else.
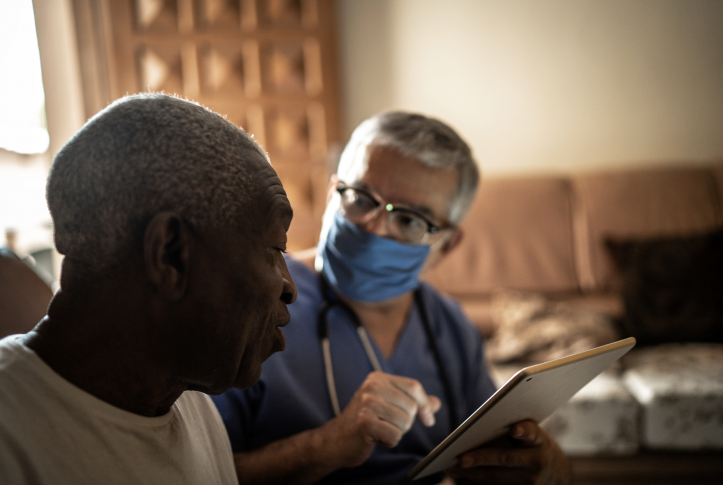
(533, 394)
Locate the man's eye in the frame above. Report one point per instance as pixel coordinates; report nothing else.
(358, 199)
(410, 222)
(363, 203)
(356, 203)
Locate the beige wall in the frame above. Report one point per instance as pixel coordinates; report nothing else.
(548, 85)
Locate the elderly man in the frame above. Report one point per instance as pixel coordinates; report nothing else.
(173, 225)
(373, 353)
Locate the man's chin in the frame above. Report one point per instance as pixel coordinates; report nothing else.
(279, 341)
(247, 378)
(244, 379)
(211, 391)
(248, 375)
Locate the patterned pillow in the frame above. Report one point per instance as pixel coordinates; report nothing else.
(532, 329)
(672, 287)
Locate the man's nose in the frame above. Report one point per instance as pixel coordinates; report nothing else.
(379, 225)
(288, 292)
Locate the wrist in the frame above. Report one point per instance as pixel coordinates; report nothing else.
(324, 449)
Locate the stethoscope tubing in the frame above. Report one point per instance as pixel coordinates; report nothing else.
(323, 331)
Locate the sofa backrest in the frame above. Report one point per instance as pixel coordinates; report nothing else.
(518, 234)
(639, 204)
(546, 233)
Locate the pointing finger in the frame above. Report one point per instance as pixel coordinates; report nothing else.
(427, 405)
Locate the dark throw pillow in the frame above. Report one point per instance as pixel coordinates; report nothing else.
(672, 287)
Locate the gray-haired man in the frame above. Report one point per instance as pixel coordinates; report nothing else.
(375, 357)
(173, 224)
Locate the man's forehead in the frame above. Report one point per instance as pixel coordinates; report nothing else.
(284, 210)
(273, 195)
(387, 163)
(390, 173)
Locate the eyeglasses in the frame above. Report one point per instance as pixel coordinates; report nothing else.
(360, 206)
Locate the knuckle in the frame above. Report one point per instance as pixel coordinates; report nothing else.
(416, 388)
(368, 399)
(538, 463)
(530, 476)
(396, 437)
(375, 375)
(407, 422)
(374, 384)
(364, 421)
(534, 476)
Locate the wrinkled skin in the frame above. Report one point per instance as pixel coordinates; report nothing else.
(192, 308)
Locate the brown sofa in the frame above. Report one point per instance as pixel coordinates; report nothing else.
(546, 235)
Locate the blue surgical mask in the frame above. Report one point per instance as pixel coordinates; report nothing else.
(366, 267)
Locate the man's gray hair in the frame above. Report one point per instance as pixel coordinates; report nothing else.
(142, 155)
(428, 140)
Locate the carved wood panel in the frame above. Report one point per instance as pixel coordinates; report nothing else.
(268, 65)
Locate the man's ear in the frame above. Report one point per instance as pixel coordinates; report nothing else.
(456, 237)
(330, 190)
(447, 245)
(167, 248)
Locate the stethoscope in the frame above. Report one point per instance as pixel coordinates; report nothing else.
(323, 330)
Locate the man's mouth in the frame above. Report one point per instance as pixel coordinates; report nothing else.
(281, 338)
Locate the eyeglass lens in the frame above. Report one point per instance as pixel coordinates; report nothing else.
(360, 208)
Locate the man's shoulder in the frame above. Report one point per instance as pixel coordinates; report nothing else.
(11, 350)
(198, 413)
(197, 402)
(10, 356)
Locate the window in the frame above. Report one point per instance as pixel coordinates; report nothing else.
(23, 128)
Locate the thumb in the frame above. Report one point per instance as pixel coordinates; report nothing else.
(528, 433)
(426, 412)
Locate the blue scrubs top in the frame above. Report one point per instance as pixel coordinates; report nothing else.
(292, 396)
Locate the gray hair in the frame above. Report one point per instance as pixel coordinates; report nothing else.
(142, 155)
(432, 142)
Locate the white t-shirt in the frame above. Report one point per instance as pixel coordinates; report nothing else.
(54, 432)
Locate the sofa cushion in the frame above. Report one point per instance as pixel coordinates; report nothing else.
(639, 203)
(672, 287)
(602, 418)
(518, 234)
(680, 390)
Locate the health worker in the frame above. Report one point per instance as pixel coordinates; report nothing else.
(380, 367)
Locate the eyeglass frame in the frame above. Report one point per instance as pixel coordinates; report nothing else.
(389, 207)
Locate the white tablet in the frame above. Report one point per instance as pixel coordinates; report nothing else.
(533, 393)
